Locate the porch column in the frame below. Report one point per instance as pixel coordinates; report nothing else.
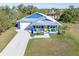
(32, 31)
(48, 28)
(58, 29)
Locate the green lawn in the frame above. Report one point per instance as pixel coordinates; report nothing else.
(65, 44)
(6, 37)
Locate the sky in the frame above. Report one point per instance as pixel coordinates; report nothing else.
(43, 5)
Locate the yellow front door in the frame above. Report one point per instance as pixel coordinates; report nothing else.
(45, 28)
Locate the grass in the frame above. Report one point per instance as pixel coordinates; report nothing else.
(45, 47)
(39, 33)
(72, 43)
(6, 37)
(66, 44)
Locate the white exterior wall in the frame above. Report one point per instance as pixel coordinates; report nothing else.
(23, 25)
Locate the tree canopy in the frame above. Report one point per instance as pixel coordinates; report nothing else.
(70, 15)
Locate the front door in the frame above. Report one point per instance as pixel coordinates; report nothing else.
(45, 29)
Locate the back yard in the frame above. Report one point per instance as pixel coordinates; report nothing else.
(65, 44)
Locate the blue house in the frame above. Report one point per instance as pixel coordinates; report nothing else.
(39, 23)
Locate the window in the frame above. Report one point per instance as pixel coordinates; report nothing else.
(33, 26)
(54, 28)
(16, 25)
(42, 28)
(37, 26)
(50, 26)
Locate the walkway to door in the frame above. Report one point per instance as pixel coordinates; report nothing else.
(18, 45)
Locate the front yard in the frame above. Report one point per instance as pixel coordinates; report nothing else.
(48, 47)
(6, 37)
(65, 44)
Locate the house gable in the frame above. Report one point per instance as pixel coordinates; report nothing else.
(35, 15)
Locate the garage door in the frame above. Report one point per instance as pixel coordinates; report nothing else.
(23, 25)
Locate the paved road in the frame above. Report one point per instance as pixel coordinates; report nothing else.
(17, 45)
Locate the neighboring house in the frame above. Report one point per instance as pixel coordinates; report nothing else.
(52, 14)
(39, 23)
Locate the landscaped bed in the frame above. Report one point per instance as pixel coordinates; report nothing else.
(6, 37)
(65, 44)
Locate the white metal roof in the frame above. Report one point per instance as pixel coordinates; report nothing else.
(43, 16)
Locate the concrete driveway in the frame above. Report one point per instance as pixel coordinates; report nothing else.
(17, 45)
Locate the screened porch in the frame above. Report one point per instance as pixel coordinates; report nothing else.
(44, 29)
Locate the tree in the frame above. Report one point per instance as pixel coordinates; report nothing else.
(7, 9)
(70, 15)
(42, 11)
(71, 7)
(31, 9)
(66, 17)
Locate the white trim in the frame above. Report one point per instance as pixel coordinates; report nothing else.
(48, 17)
